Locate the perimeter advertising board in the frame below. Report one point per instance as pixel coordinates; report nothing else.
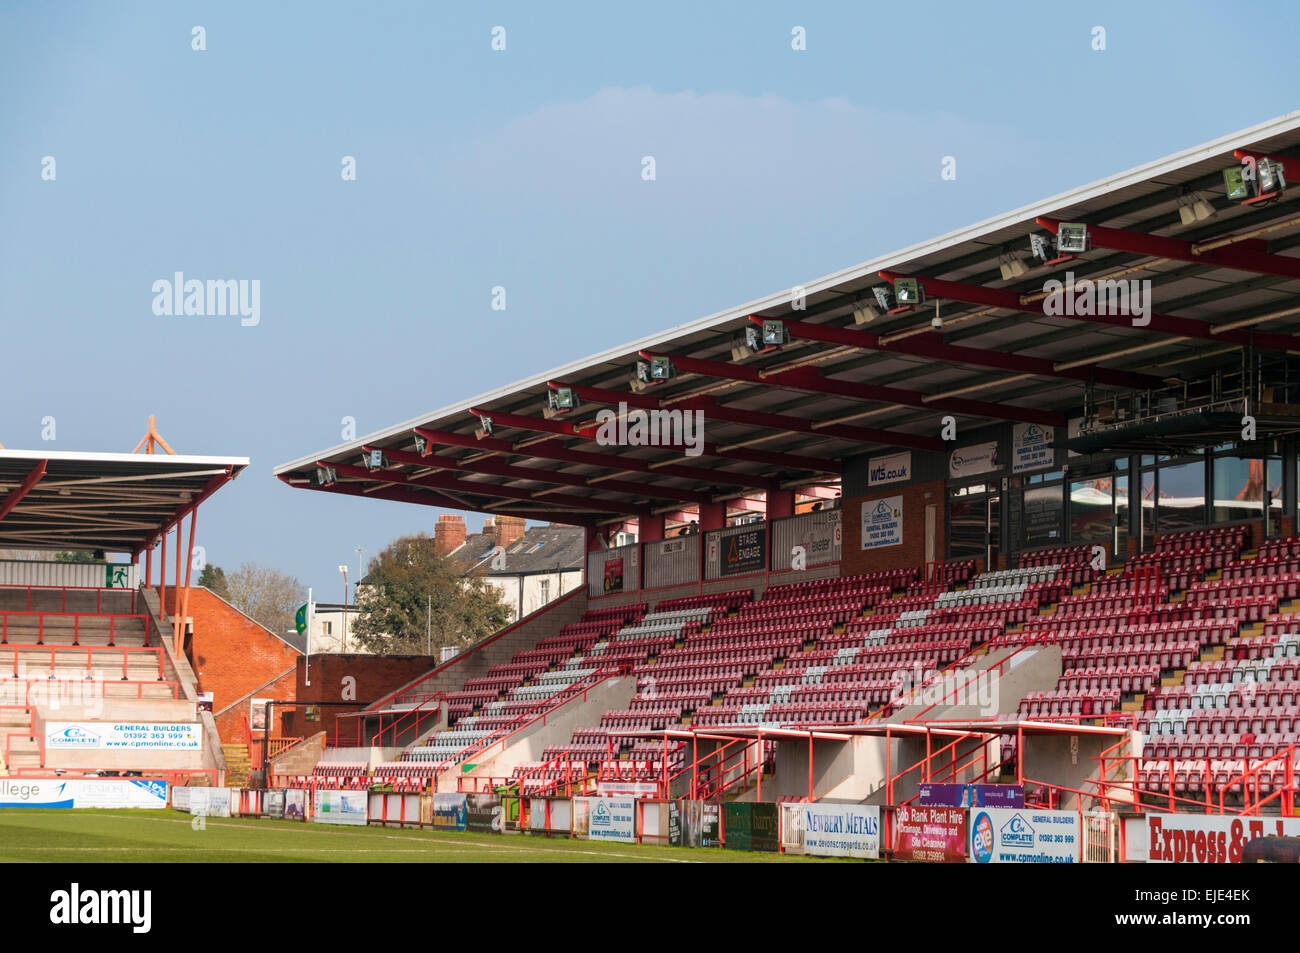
(1201, 838)
(612, 819)
(340, 807)
(83, 792)
(930, 834)
(839, 830)
(1019, 836)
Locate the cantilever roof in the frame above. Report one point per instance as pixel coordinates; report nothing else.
(787, 417)
(117, 502)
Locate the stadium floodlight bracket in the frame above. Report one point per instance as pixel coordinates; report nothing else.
(421, 445)
(1045, 250)
(484, 428)
(324, 476)
(1255, 183)
(864, 312)
(884, 295)
(374, 460)
(775, 334)
(560, 401)
(1192, 208)
(652, 373)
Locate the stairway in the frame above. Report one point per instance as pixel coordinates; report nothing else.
(238, 767)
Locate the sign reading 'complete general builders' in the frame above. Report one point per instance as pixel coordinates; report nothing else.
(1031, 447)
(894, 468)
(612, 818)
(170, 736)
(1010, 836)
(882, 522)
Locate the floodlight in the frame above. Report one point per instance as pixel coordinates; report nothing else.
(1011, 266)
(1072, 238)
(421, 445)
(1040, 247)
(1271, 176)
(775, 334)
(484, 428)
(374, 460)
(1192, 209)
(908, 292)
(745, 344)
(884, 296)
(643, 371)
(1236, 184)
(324, 476)
(661, 368)
(864, 312)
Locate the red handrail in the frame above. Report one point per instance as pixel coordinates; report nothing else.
(98, 590)
(528, 718)
(476, 647)
(126, 651)
(76, 617)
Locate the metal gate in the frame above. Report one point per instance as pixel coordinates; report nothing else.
(1100, 838)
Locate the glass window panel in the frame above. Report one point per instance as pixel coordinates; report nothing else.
(1090, 511)
(1238, 489)
(1042, 524)
(1180, 503)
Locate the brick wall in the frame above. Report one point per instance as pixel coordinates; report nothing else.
(230, 723)
(232, 655)
(911, 552)
(364, 679)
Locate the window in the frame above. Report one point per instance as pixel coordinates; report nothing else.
(328, 627)
(1090, 511)
(1274, 498)
(1042, 515)
(1121, 516)
(1180, 500)
(544, 591)
(1238, 489)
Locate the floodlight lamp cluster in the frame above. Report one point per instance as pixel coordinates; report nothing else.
(560, 401)
(1072, 240)
(755, 339)
(324, 476)
(651, 373)
(1255, 182)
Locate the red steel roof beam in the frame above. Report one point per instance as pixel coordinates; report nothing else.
(809, 379)
(22, 489)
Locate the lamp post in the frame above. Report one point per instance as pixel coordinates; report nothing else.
(344, 570)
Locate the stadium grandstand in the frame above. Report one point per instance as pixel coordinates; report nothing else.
(1013, 508)
(98, 675)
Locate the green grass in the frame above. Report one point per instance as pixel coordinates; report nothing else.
(135, 836)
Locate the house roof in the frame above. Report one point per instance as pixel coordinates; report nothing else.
(541, 549)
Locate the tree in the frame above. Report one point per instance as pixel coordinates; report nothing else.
(401, 585)
(265, 595)
(80, 556)
(214, 578)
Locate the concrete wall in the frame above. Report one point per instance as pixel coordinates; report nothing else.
(301, 758)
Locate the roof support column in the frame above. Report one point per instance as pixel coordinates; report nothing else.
(780, 503)
(712, 516)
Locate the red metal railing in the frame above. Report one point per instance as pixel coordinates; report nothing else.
(537, 713)
(64, 590)
(76, 617)
(474, 649)
(90, 650)
(419, 713)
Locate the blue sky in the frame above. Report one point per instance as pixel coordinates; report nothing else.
(520, 168)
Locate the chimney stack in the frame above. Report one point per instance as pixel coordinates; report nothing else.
(509, 529)
(448, 534)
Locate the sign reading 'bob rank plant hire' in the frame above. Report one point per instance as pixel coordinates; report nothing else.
(882, 522)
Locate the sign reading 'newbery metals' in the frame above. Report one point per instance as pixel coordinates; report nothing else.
(882, 522)
(744, 551)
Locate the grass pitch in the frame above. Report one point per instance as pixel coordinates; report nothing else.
(135, 836)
